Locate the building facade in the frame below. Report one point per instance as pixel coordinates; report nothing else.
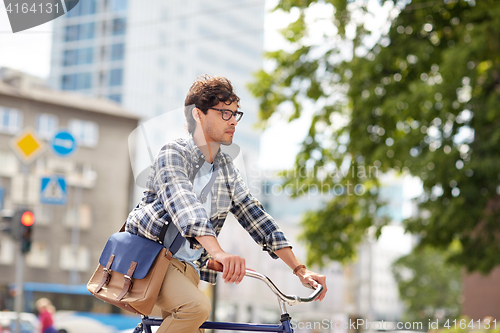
(67, 237)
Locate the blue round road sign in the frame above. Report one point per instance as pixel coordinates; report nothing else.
(63, 143)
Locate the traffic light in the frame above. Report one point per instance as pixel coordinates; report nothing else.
(22, 223)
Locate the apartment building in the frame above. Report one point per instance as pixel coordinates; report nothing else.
(67, 237)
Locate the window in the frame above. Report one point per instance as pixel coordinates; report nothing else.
(19, 183)
(78, 57)
(39, 256)
(159, 110)
(78, 258)
(161, 62)
(7, 249)
(119, 26)
(116, 97)
(119, 5)
(86, 133)
(76, 81)
(115, 77)
(82, 175)
(46, 125)
(160, 87)
(253, 52)
(80, 8)
(81, 217)
(79, 32)
(10, 120)
(117, 51)
(45, 214)
(9, 166)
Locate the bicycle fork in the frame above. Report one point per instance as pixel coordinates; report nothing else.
(285, 318)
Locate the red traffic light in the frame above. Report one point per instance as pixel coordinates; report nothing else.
(28, 218)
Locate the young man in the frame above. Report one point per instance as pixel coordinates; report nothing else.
(192, 188)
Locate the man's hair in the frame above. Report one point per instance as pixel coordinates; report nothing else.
(208, 91)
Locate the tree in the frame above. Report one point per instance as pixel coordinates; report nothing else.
(422, 100)
(428, 286)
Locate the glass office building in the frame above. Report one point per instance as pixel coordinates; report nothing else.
(88, 49)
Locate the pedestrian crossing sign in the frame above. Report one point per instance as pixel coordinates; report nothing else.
(53, 191)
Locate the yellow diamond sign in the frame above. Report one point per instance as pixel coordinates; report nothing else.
(27, 146)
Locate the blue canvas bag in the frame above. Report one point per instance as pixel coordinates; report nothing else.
(131, 271)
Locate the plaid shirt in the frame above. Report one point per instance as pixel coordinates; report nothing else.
(169, 194)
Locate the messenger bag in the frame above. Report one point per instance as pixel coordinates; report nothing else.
(131, 271)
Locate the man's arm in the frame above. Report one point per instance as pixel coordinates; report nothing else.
(234, 266)
(254, 219)
(306, 276)
(175, 192)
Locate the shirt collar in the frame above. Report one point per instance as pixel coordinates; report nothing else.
(197, 154)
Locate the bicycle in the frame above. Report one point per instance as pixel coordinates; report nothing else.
(284, 327)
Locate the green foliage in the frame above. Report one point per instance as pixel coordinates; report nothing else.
(422, 101)
(428, 286)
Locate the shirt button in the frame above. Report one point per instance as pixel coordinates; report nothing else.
(202, 156)
(197, 166)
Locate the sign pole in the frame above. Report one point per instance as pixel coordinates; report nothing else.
(28, 147)
(19, 296)
(18, 301)
(74, 277)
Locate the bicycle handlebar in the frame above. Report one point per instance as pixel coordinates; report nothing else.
(289, 299)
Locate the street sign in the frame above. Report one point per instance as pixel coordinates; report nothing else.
(53, 191)
(27, 146)
(63, 143)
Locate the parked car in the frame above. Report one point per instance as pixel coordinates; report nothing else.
(8, 322)
(71, 322)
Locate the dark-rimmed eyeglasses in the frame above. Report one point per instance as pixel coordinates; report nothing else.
(227, 114)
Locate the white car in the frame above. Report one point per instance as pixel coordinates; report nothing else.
(72, 323)
(8, 322)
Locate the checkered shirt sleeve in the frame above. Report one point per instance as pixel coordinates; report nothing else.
(256, 221)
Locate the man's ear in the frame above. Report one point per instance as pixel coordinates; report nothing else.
(196, 114)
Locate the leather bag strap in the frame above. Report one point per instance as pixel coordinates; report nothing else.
(106, 275)
(127, 283)
(177, 243)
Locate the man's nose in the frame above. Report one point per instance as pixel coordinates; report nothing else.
(233, 121)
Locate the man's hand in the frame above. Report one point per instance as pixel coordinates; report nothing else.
(234, 267)
(305, 276)
(311, 278)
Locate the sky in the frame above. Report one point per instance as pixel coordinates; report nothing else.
(28, 50)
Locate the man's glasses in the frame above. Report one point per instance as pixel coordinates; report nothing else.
(227, 114)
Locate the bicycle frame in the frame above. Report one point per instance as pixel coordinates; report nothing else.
(284, 327)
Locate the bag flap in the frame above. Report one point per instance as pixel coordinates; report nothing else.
(127, 248)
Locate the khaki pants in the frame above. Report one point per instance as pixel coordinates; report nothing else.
(184, 307)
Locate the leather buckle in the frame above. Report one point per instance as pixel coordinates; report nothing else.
(107, 273)
(130, 280)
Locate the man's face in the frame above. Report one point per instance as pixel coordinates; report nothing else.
(217, 129)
